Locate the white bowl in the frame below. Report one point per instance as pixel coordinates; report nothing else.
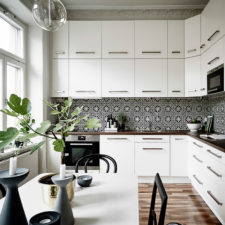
(193, 127)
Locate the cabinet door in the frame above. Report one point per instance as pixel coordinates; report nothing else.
(192, 36)
(121, 148)
(151, 39)
(175, 39)
(85, 39)
(60, 43)
(118, 78)
(175, 77)
(151, 78)
(118, 39)
(192, 76)
(179, 156)
(59, 79)
(85, 78)
(212, 23)
(152, 158)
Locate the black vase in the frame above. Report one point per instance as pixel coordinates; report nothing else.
(122, 127)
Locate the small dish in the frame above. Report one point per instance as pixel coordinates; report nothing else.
(84, 180)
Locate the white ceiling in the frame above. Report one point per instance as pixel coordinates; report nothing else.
(135, 4)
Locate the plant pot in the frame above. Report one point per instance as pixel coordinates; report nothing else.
(121, 127)
(50, 190)
(193, 127)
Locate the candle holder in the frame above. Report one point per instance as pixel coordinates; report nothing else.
(62, 204)
(12, 210)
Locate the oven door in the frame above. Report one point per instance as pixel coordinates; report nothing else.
(76, 150)
(215, 81)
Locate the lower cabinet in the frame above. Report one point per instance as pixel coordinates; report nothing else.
(121, 148)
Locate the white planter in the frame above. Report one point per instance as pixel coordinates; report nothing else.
(193, 127)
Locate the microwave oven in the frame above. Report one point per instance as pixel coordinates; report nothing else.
(215, 80)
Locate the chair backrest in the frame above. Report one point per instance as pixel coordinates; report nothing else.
(158, 185)
(105, 158)
(2, 190)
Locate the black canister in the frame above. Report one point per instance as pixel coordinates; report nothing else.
(46, 218)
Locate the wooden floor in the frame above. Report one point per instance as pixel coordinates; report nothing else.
(184, 205)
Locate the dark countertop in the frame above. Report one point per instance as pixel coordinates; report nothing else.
(218, 144)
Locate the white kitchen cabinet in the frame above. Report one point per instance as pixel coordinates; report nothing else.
(175, 39)
(118, 39)
(150, 77)
(151, 39)
(117, 77)
(59, 78)
(192, 36)
(85, 78)
(192, 76)
(121, 148)
(84, 39)
(60, 43)
(176, 77)
(179, 156)
(212, 23)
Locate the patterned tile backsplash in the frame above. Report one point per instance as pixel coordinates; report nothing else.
(147, 113)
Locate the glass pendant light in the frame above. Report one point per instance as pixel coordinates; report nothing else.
(50, 15)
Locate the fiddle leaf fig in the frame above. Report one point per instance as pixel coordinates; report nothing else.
(93, 123)
(59, 145)
(58, 127)
(9, 113)
(77, 111)
(6, 137)
(45, 125)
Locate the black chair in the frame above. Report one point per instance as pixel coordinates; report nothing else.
(2, 190)
(163, 195)
(88, 158)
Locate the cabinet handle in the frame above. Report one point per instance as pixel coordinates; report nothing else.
(211, 37)
(214, 154)
(85, 52)
(83, 91)
(213, 60)
(152, 139)
(60, 91)
(152, 148)
(118, 91)
(213, 171)
(151, 52)
(197, 145)
(118, 52)
(199, 160)
(176, 52)
(202, 46)
(146, 91)
(192, 90)
(192, 50)
(81, 144)
(202, 89)
(195, 177)
(176, 91)
(179, 139)
(212, 90)
(60, 52)
(117, 138)
(214, 198)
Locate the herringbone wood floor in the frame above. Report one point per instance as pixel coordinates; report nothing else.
(184, 205)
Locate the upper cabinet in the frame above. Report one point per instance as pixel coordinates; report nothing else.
(151, 78)
(151, 39)
(192, 36)
(212, 23)
(60, 43)
(118, 39)
(85, 39)
(175, 39)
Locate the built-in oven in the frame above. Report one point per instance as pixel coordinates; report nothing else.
(215, 80)
(78, 146)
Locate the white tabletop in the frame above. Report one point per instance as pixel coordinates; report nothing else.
(111, 199)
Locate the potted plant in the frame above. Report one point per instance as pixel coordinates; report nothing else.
(122, 119)
(194, 125)
(68, 119)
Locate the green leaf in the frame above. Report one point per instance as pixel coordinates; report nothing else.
(93, 123)
(55, 112)
(77, 111)
(64, 109)
(15, 104)
(75, 122)
(69, 102)
(36, 147)
(44, 127)
(10, 113)
(27, 137)
(84, 117)
(59, 145)
(58, 127)
(6, 137)
(48, 103)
